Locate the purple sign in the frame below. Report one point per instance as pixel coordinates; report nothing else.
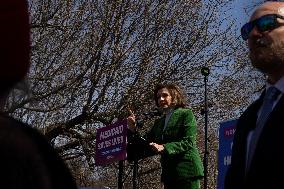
(111, 143)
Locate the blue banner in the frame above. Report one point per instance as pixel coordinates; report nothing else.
(226, 136)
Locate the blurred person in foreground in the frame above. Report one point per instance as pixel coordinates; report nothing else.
(27, 160)
(173, 136)
(257, 160)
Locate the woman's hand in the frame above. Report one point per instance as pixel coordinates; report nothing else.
(131, 121)
(159, 148)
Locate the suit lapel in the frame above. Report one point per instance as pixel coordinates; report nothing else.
(278, 108)
(273, 119)
(251, 116)
(270, 137)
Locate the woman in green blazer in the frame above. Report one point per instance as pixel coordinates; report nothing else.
(174, 137)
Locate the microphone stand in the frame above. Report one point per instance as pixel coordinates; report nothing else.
(139, 124)
(135, 157)
(120, 174)
(135, 174)
(205, 72)
(134, 138)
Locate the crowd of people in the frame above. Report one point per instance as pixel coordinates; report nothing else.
(28, 161)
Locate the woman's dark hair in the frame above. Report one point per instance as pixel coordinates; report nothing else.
(178, 98)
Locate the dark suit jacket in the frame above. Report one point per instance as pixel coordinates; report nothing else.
(180, 159)
(268, 161)
(27, 160)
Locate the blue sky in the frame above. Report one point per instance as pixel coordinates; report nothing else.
(242, 9)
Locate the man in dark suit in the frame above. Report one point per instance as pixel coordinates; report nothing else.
(257, 159)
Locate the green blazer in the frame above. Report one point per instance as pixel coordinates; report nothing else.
(180, 159)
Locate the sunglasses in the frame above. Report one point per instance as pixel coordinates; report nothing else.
(265, 23)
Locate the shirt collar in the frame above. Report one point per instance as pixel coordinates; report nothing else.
(279, 84)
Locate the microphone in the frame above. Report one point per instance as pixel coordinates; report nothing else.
(150, 114)
(153, 113)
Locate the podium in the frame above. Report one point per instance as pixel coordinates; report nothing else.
(137, 148)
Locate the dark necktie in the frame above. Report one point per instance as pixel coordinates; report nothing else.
(267, 105)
